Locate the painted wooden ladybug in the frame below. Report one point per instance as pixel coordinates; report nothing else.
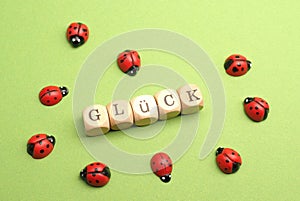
(77, 34)
(237, 65)
(161, 165)
(129, 62)
(52, 95)
(228, 160)
(40, 145)
(256, 108)
(96, 174)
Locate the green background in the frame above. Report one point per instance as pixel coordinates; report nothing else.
(35, 54)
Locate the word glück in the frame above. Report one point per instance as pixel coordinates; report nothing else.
(142, 110)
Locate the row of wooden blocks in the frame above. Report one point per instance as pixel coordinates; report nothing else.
(142, 110)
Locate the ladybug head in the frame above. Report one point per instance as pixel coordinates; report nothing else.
(228, 63)
(83, 174)
(249, 64)
(106, 172)
(248, 100)
(76, 41)
(51, 139)
(30, 148)
(165, 178)
(219, 150)
(132, 71)
(64, 91)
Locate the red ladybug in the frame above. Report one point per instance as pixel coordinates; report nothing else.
(77, 34)
(228, 160)
(96, 174)
(129, 62)
(161, 165)
(256, 108)
(237, 65)
(52, 95)
(40, 145)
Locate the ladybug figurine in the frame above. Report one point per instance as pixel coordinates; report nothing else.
(51, 95)
(237, 65)
(77, 34)
(129, 62)
(161, 165)
(40, 145)
(228, 160)
(256, 108)
(96, 174)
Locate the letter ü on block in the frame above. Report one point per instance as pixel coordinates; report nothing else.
(142, 110)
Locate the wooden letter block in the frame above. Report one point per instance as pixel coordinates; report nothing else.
(120, 114)
(191, 99)
(144, 110)
(168, 103)
(96, 121)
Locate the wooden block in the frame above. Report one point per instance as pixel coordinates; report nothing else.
(120, 114)
(191, 99)
(96, 121)
(144, 110)
(168, 103)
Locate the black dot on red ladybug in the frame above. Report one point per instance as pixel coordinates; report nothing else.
(227, 161)
(225, 169)
(42, 151)
(242, 69)
(97, 163)
(48, 101)
(55, 98)
(85, 34)
(37, 136)
(153, 162)
(47, 145)
(232, 153)
(75, 28)
(85, 30)
(70, 32)
(256, 107)
(93, 174)
(92, 164)
(121, 60)
(237, 56)
(90, 181)
(70, 26)
(161, 163)
(257, 113)
(97, 181)
(235, 69)
(251, 108)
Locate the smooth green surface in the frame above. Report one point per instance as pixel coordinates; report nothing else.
(35, 53)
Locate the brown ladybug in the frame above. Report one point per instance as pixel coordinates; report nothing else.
(77, 34)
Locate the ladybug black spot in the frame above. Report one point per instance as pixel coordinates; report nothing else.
(161, 163)
(47, 145)
(97, 163)
(232, 153)
(85, 30)
(92, 164)
(70, 32)
(237, 56)
(70, 26)
(227, 161)
(225, 169)
(251, 108)
(256, 107)
(37, 136)
(235, 69)
(93, 174)
(153, 162)
(48, 101)
(55, 98)
(125, 55)
(97, 181)
(42, 151)
(90, 181)
(257, 113)
(75, 28)
(85, 34)
(242, 69)
(122, 60)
